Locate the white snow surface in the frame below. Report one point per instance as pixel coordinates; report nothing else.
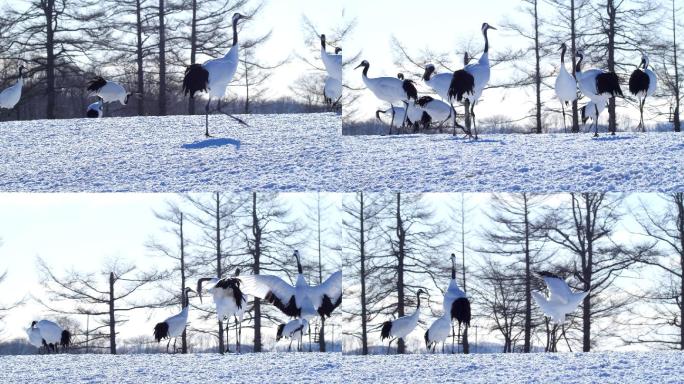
(306, 152)
(546, 163)
(600, 368)
(631, 367)
(292, 152)
(165, 368)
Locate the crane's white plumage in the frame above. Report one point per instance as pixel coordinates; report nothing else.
(566, 86)
(401, 327)
(10, 96)
(592, 111)
(331, 61)
(439, 111)
(229, 300)
(598, 85)
(52, 334)
(438, 331)
(174, 326)
(94, 110)
(293, 330)
(389, 89)
(456, 303)
(332, 90)
(214, 75)
(642, 84)
(439, 82)
(301, 300)
(560, 300)
(108, 91)
(34, 337)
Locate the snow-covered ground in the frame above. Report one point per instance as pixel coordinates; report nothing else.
(308, 153)
(652, 367)
(162, 368)
(628, 162)
(170, 154)
(517, 368)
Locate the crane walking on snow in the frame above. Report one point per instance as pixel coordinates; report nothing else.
(566, 86)
(174, 326)
(642, 84)
(401, 327)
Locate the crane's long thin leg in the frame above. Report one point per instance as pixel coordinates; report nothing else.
(228, 335)
(237, 335)
(174, 345)
(459, 338)
(392, 122)
(565, 125)
(596, 121)
(403, 124)
(389, 346)
(643, 125)
(443, 342)
(289, 347)
(206, 118)
(453, 337)
(167, 346)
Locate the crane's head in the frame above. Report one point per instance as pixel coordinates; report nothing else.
(238, 16)
(338, 50)
(323, 40)
(429, 70)
(579, 54)
(33, 324)
(644, 60)
(364, 64)
(188, 290)
(563, 47)
(21, 70)
(486, 27)
(237, 271)
(400, 76)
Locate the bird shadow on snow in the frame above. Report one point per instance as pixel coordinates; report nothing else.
(213, 143)
(613, 138)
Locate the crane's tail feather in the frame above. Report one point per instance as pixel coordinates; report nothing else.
(65, 340)
(460, 310)
(462, 83)
(196, 80)
(386, 328)
(608, 83)
(411, 90)
(96, 84)
(161, 331)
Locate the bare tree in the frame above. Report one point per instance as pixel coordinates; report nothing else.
(104, 295)
(515, 230)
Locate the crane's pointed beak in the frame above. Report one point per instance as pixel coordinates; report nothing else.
(490, 27)
(359, 66)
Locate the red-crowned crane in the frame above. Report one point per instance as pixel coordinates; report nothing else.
(293, 330)
(52, 335)
(215, 75)
(401, 327)
(598, 85)
(560, 301)
(642, 84)
(566, 86)
(390, 89)
(174, 326)
(331, 61)
(94, 110)
(230, 302)
(456, 302)
(438, 111)
(10, 96)
(592, 111)
(109, 91)
(301, 300)
(479, 73)
(438, 332)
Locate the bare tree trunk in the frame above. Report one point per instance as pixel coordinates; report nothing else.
(256, 232)
(528, 279)
(612, 120)
(587, 268)
(162, 59)
(49, 9)
(112, 323)
(321, 335)
(362, 248)
(677, 121)
(537, 67)
(139, 57)
(679, 201)
(184, 338)
(219, 267)
(401, 237)
(573, 38)
(193, 50)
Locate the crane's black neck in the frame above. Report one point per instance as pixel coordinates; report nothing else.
(186, 296)
(563, 50)
(453, 267)
(428, 73)
(299, 265)
(323, 42)
(365, 69)
(235, 34)
(418, 306)
(486, 48)
(578, 68)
